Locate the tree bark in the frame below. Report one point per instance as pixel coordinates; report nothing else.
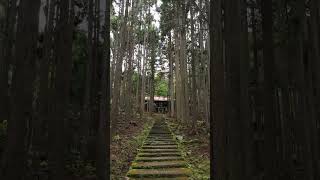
(234, 125)
(86, 111)
(315, 63)
(270, 163)
(22, 89)
(63, 59)
(6, 58)
(194, 105)
(103, 139)
(118, 71)
(217, 94)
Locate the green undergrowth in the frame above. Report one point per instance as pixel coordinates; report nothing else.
(193, 150)
(127, 146)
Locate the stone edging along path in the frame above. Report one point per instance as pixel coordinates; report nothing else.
(159, 157)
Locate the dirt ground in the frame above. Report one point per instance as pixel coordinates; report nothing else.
(125, 144)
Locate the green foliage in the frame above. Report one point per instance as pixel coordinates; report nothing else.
(161, 86)
(167, 13)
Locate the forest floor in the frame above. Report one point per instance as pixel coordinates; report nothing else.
(195, 147)
(125, 144)
(130, 136)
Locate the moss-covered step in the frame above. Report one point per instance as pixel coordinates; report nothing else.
(159, 147)
(162, 138)
(158, 150)
(157, 154)
(157, 173)
(158, 131)
(175, 178)
(160, 158)
(159, 143)
(160, 135)
(157, 165)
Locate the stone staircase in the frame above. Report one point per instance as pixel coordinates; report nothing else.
(159, 157)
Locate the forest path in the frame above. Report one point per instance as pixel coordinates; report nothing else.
(159, 157)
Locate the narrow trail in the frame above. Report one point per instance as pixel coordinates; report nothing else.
(159, 157)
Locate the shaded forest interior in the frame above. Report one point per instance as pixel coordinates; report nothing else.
(78, 77)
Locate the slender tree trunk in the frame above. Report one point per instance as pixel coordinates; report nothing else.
(217, 91)
(233, 53)
(171, 76)
(39, 123)
(194, 105)
(118, 70)
(316, 56)
(86, 111)
(6, 58)
(183, 63)
(143, 76)
(63, 61)
(247, 129)
(270, 145)
(178, 68)
(22, 89)
(296, 39)
(103, 139)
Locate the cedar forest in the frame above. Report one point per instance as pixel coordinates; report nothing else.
(195, 89)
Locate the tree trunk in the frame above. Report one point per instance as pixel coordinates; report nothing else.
(194, 105)
(171, 77)
(86, 111)
(247, 129)
(103, 138)
(315, 63)
(270, 162)
(22, 90)
(183, 63)
(233, 52)
(6, 59)
(296, 65)
(39, 144)
(63, 42)
(118, 70)
(177, 65)
(217, 91)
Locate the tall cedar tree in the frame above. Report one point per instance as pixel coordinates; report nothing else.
(22, 90)
(63, 66)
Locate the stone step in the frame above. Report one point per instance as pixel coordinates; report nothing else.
(160, 147)
(158, 173)
(160, 138)
(157, 154)
(157, 165)
(170, 137)
(175, 178)
(158, 150)
(159, 143)
(161, 158)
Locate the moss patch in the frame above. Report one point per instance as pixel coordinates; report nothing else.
(194, 148)
(125, 144)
